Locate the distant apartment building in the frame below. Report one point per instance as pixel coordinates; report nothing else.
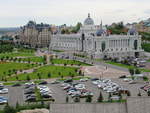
(142, 26)
(35, 35)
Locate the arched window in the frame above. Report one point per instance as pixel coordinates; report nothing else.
(135, 44)
(103, 46)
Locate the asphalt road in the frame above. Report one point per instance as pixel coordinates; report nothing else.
(15, 95)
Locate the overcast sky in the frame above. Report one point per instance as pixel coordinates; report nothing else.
(15, 13)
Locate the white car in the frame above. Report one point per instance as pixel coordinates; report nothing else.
(115, 97)
(106, 80)
(3, 100)
(1, 85)
(96, 82)
(64, 84)
(72, 92)
(80, 86)
(83, 79)
(4, 91)
(126, 80)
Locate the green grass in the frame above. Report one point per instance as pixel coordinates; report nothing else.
(7, 68)
(120, 65)
(20, 82)
(55, 71)
(126, 66)
(33, 59)
(26, 50)
(58, 50)
(146, 47)
(16, 54)
(62, 61)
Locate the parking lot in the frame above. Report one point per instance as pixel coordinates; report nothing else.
(16, 94)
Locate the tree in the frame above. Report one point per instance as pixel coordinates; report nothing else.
(59, 73)
(120, 96)
(109, 97)
(80, 72)
(89, 98)
(139, 94)
(148, 92)
(77, 99)
(49, 75)
(62, 76)
(100, 98)
(8, 109)
(28, 78)
(72, 76)
(17, 78)
(39, 77)
(137, 71)
(17, 105)
(131, 71)
(45, 59)
(67, 99)
(38, 74)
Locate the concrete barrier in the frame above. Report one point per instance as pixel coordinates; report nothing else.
(133, 105)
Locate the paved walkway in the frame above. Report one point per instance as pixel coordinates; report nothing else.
(102, 71)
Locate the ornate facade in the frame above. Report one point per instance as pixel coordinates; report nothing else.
(97, 42)
(35, 35)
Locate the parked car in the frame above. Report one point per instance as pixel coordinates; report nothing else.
(31, 99)
(68, 81)
(16, 85)
(3, 100)
(83, 79)
(94, 79)
(29, 92)
(43, 83)
(55, 82)
(3, 90)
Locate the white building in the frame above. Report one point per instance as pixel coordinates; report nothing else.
(97, 42)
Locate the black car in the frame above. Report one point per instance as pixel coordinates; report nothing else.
(30, 95)
(68, 81)
(31, 99)
(123, 76)
(46, 96)
(16, 85)
(43, 83)
(94, 79)
(29, 92)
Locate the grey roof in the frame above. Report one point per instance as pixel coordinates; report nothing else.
(132, 31)
(88, 21)
(100, 32)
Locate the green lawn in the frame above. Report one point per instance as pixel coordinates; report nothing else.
(55, 72)
(58, 51)
(126, 66)
(119, 64)
(7, 68)
(16, 54)
(32, 59)
(62, 61)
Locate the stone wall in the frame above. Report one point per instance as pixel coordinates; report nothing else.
(133, 105)
(88, 108)
(138, 105)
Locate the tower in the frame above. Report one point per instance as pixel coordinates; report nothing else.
(88, 15)
(101, 25)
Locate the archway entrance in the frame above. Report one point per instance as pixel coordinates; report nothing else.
(137, 54)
